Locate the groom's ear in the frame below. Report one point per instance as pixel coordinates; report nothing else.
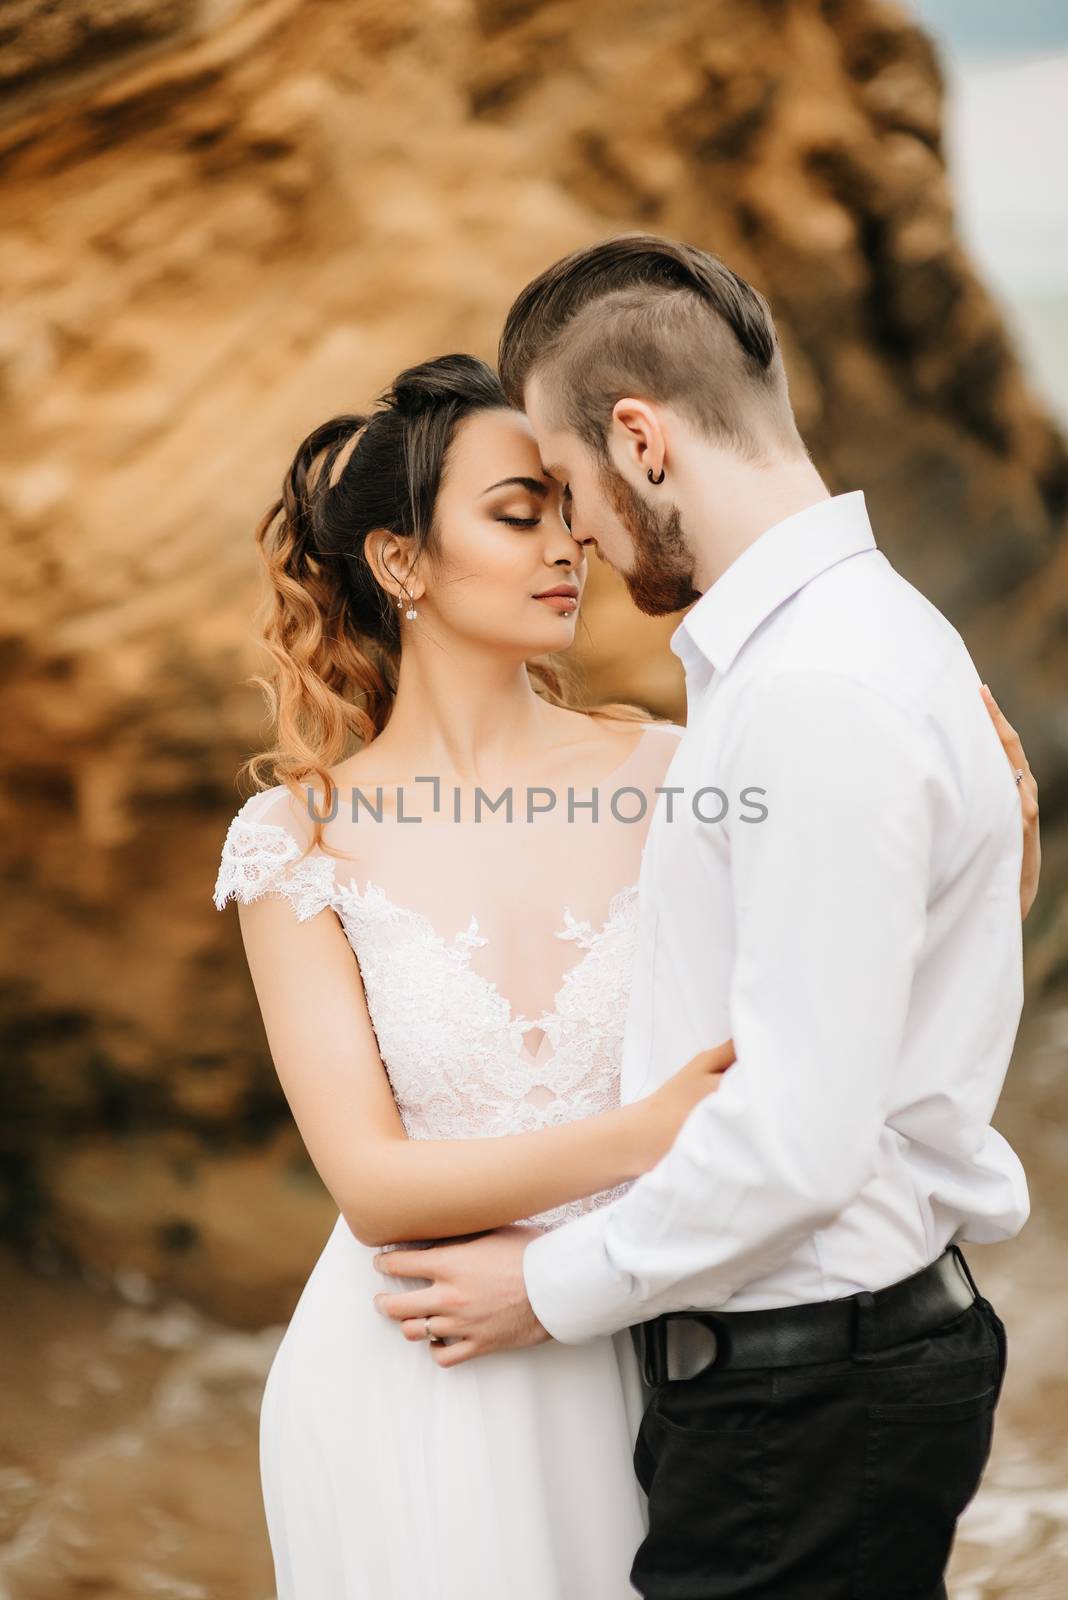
(638, 434)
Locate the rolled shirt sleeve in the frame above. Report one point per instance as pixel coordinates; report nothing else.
(830, 895)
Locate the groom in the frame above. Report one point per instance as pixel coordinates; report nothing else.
(823, 1369)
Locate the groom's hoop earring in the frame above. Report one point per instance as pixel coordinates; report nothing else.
(656, 480)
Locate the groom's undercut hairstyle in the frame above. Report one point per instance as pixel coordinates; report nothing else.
(658, 320)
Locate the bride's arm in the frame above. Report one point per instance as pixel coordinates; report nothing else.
(1031, 863)
(391, 1189)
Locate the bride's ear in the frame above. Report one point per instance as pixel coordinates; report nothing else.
(391, 557)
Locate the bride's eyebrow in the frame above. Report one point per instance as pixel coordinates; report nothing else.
(535, 485)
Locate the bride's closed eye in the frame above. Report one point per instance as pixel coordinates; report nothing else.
(532, 522)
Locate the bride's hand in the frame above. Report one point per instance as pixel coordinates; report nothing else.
(1028, 787)
(663, 1112)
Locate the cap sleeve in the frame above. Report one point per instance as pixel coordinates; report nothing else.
(263, 853)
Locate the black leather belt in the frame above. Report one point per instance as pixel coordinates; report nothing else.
(677, 1344)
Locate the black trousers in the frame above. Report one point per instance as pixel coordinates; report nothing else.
(837, 1481)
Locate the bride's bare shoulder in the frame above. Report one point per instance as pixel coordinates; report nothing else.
(628, 729)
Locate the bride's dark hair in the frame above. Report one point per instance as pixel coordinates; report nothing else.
(331, 630)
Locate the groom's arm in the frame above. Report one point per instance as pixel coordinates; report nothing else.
(830, 896)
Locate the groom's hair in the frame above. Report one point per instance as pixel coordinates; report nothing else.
(657, 319)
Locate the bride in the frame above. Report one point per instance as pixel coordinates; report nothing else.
(478, 855)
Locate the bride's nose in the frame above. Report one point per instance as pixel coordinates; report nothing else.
(571, 551)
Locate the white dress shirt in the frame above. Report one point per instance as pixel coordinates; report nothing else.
(861, 943)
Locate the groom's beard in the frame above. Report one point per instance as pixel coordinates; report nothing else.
(661, 579)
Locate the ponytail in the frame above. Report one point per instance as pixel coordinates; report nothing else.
(329, 684)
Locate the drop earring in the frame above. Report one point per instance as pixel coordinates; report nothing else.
(411, 612)
(656, 480)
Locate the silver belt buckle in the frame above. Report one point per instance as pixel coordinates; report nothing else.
(690, 1348)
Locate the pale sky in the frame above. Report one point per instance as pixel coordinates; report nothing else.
(1006, 66)
(997, 27)
(1006, 139)
(1006, 63)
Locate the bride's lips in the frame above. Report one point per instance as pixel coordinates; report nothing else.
(564, 598)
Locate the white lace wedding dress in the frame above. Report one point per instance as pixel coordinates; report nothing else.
(495, 958)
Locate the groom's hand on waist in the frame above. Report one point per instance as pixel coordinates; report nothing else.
(477, 1299)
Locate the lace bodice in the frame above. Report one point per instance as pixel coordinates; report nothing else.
(495, 956)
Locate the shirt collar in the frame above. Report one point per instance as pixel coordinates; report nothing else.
(782, 560)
